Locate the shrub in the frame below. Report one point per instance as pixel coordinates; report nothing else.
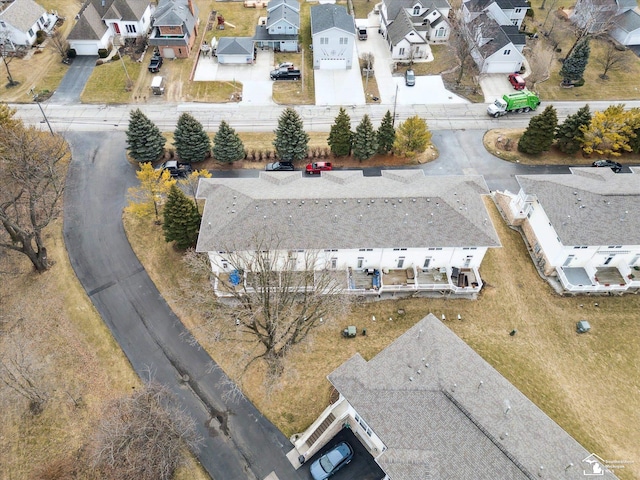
(103, 53)
(99, 62)
(116, 57)
(71, 53)
(40, 36)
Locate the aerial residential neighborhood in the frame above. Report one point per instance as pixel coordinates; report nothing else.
(274, 239)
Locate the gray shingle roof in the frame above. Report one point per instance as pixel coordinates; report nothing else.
(284, 12)
(493, 34)
(235, 46)
(175, 13)
(604, 197)
(22, 14)
(126, 10)
(290, 3)
(401, 27)
(439, 408)
(345, 209)
(627, 21)
(89, 26)
(324, 17)
(395, 6)
(262, 34)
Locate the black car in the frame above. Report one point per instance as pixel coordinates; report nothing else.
(285, 74)
(155, 63)
(615, 166)
(279, 166)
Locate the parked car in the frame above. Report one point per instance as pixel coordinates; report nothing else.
(517, 81)
(285, 74)
(615, 166)
(175, 168)
(332, 461)
(155, 63)
(409, 78)
(362, 33)
(316, 167)
(287, 65)
(279, 166)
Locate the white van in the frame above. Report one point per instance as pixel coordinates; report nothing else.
(157, 85)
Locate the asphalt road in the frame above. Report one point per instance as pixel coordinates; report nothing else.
(75, 79)
(240, 443)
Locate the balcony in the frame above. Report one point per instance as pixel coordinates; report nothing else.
(599, 279)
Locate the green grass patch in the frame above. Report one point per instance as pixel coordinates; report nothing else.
(108, 82)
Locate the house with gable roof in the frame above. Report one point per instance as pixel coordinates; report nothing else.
(492, 29)
(409, 26)
(235, 50)
(429, 407)
(333, 34)
(174, 28)
(400, 233)
(100, 21)
(20, 20)
(281, 26)
(582, 228)
(619, 18)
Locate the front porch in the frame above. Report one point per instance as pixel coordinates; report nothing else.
(602, 279)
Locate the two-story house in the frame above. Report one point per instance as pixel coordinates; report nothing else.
(281, 26)
(20, 20)
(492, 29)
(333, 34)
(582, 228)
(400, 233)
(174, 28)
(619, 18)
(100, 21)
(409, 26)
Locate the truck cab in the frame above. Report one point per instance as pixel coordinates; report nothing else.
(497, 108)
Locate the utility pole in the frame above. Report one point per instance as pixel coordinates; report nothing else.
(35, 99)
(395, 102)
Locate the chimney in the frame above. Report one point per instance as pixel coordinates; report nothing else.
(190, 4)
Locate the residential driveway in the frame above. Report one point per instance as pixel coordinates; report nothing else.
(340, 87)
(75, 79)
(494, 85)
(257, 87)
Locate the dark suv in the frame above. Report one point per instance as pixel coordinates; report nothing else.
(279, 166)
(155, 63)
(615, 166)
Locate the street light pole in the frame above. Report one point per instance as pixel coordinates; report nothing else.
(395, 102)
(35, 99)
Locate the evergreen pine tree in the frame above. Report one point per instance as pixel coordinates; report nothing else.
(191, 141)
(386, 134)
(538, 137)
(291, 140)
(340, 136)
(569, 135)
(227, 146)
(365, 143)
(412, 137)
(181, 219)
(144, 140)
(575, 64)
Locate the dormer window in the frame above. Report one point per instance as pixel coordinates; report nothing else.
(416, 10)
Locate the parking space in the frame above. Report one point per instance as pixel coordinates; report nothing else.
(494, 85)
(362, 467)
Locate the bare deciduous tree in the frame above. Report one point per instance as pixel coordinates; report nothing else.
(540, 59)
(282, 296)
(59, 44)
(461, 42)
(5, 50)
(31, 186)
(142, 436)
(19, 372)
(611, 60)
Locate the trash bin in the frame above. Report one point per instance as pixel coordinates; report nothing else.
(583, 326)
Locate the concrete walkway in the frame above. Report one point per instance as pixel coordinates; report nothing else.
(239, 443)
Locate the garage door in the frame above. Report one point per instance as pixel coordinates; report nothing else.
(85, 48)
(333, 64)
(168, 53)
(501, 67)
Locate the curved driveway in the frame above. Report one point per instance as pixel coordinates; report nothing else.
(239, 442)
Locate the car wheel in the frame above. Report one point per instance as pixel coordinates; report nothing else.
(496, 115)
(527, 110)
(519, 110)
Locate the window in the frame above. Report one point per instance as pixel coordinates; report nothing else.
(568, 261)
(518, 10)
(400, 262)
(426, 263)
(467, 261)
(608, 260)
(514, 23)
(634, 260)
(31, 32)
(334, 263)
(131, 29)
(401, 51)
(324, 40)
(3, 25)
(344, 40)
(441, 32)
(507, 52)
(360, 262)
(416, 10)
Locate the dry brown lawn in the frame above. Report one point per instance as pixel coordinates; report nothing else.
(586, 383)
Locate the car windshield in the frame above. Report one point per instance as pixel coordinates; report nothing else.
(410, 75)
(326, 464)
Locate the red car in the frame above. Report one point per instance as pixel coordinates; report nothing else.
(317, 167)
(517, 81)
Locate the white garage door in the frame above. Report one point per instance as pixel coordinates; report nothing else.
(85, 48)
(333, 64)
(501, 67)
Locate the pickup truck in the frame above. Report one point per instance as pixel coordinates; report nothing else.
(285, 73)
(175, 168)
(362, 33)
(155, 63)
